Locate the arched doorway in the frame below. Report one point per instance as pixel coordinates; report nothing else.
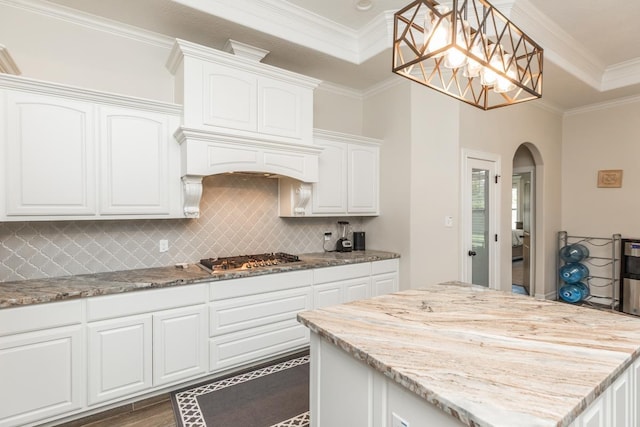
(523, 219)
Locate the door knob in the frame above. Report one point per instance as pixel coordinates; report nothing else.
(472, 253)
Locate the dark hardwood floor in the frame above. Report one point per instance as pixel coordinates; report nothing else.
(157, 413)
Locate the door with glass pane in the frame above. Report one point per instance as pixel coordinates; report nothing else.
(480, 219)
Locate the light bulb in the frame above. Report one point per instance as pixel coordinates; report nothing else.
(503, 84)
(474, 67)
(455, 57)
(487, 75)
(436, 34)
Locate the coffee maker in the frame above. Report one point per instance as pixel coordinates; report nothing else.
(343, 244)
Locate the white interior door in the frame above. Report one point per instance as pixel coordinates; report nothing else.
(480, 219)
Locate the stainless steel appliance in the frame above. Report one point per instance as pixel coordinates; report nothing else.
(343, 244)
(245, 262)
(358, 241)
(630, 277)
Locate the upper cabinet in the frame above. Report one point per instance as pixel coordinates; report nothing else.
(70, 153)
(240, 115)
(348, 179)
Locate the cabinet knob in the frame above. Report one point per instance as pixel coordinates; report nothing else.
(472, 253)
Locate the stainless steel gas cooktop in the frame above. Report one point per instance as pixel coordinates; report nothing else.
(244, 262)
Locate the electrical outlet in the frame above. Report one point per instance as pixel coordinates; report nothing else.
(448, 221)
(396, 421)
(164, 245)
(327, 236)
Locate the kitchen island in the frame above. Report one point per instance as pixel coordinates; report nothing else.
(456, 354)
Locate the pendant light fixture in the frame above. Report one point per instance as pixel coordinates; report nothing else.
(468, 50)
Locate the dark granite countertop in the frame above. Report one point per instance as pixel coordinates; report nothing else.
(36, 291)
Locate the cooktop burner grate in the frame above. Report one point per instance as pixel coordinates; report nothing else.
(248, 261)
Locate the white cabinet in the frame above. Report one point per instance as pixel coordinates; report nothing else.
(50, 153)
(228, 94)
(41, 363)
(141, 340)
(120, 358)
(77, 154)
(340, 284)
(179, 344)
(385, 277)
(348, 179)
(255, 317)
(139, 171)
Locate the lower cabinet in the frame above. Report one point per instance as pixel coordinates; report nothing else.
(42, 371)
(255, 318)
(337, 285)
(138, 341)
(120, 359)
(62, 358)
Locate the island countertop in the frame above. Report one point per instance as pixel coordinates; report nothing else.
(488, 358)
(37, 291)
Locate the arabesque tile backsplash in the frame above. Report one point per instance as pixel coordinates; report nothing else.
(239, 215)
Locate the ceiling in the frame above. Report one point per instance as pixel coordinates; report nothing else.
(592, 47)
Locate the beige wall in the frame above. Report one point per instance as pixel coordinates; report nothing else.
(57, 50)
(501, 132)
(392, 229)
(594, 140)
(340, 112)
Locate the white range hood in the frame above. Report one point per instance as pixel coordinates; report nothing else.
(240, 115)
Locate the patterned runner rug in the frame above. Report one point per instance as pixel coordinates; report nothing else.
(276, 395)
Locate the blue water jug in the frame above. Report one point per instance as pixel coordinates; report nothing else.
(570, 293)
(584, 289)
(573, 272)
(574, 253)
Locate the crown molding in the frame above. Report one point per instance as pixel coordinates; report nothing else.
(341, 90)
(287, 21)
(384, 85)
(559, 46)
(620, 102)
(622, 74)
(91, 21)
(7, 64)
(376, 36)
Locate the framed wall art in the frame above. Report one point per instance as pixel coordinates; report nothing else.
(610, 178)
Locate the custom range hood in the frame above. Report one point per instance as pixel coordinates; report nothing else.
(240, 115)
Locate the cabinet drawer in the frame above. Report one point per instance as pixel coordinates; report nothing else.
(110, 306)
(236, 314)
(385, 266)
(237, 349)
(40, 316)
(342, 272)
(225, 289)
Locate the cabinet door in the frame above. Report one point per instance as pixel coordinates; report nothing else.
(635, 393)
(119, 357)
(596, 414)
(41, 375)
(330, 192)
(384, 284)
(135, 165)
(356, 289)
(363, 165)
(179, 344)
(327, 294)
(280, 107)
(620, 392)
(230, 98)
(50, 156)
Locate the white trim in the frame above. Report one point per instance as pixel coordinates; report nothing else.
(25, 84)
(533, 229)
(619, 102)
(384, 85)
(494, 225)
(341, 90)
(7, 64)
(622, 74)
(91, 21)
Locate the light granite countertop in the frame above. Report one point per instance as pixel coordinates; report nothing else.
(36, 291)
(487, 357)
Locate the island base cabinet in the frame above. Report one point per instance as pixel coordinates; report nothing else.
(346, 392)
(40, 375)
